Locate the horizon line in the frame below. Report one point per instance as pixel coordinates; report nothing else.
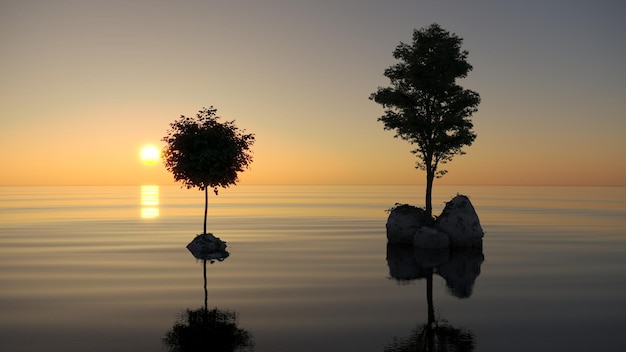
(316, 184)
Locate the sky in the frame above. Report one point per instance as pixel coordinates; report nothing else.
(84, 85)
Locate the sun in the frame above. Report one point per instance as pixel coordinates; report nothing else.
(150, 155)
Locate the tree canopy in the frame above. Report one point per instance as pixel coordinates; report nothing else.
(424, 105)
(204, 152)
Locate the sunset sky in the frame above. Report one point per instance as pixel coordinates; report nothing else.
(84, 85)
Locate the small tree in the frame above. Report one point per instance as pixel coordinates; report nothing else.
(424, 105)
(205, 153)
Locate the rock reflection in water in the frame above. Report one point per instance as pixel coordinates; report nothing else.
(460, 268)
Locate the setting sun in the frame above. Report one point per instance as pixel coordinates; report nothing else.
(149, 155)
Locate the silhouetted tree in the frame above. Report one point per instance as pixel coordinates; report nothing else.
(205, 153)
(424, 105)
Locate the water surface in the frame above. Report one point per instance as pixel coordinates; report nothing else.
(106, 268)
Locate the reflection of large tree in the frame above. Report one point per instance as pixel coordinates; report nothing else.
(206, 329)
(459, 268)
(438, 338)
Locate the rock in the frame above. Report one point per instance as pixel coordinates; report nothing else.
(460, 222)
(431, 258)
(206, 246)
(403, 222)
(429, 238)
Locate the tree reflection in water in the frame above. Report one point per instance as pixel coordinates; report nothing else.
(206, 329)
(438, 338)
(460, 268)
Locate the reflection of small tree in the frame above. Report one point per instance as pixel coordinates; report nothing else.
(208, 330)
(205, 329)
(424, 105)
(205, 153)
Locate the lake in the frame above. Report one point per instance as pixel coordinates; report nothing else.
(106, 269)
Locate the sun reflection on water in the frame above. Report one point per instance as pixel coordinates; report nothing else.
(149, 201)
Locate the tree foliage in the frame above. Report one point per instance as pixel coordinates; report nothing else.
(424, 105)
(205, 153)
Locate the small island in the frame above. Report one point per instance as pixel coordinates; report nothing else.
(457, 226)
(425, 106)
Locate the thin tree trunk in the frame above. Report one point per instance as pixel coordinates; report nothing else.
(430, 176)
(206, 206)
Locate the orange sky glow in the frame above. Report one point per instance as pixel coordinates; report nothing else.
(85, 87)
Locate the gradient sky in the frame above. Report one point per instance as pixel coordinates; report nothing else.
(85, 84)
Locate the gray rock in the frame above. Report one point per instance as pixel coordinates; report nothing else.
(431, 258)
(403, 222)
(430, 238)
(206, 246)
(460, 222)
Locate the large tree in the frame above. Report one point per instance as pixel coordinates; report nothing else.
(205, 153)
(424, 104)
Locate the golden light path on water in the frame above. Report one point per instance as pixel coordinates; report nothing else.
(149, 201)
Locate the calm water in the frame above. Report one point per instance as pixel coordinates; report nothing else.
(106, 268)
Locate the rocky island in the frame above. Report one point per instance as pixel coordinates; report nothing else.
(458, 226)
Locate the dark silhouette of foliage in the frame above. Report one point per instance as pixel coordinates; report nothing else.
(205, 153)
(208, 330)
(424, 105)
